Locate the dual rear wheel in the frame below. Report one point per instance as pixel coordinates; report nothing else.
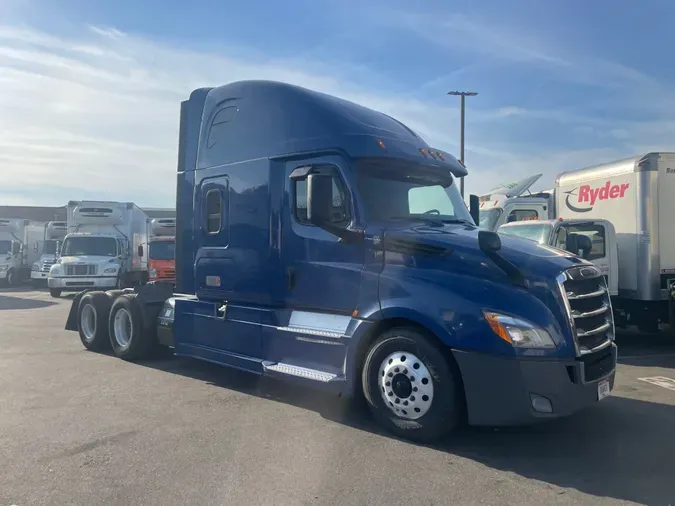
(113, 320)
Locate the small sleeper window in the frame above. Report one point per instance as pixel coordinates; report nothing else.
(214, 211)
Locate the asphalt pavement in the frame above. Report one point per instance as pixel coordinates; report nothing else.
(84, 428)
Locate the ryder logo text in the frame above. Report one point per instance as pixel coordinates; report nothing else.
(588, 195)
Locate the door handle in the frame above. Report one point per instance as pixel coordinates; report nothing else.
(290, 277)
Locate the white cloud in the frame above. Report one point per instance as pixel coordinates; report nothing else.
(96, 115)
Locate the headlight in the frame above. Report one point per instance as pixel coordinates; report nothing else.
(110, 270)
(55, 269)
(152, 273)
(518, 332)
(36, 267)
(3, 268)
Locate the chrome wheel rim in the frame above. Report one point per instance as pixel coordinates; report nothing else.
(122, 327)
(406, 385)
(88, 322)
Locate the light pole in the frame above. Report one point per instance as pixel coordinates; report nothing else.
(462, 96)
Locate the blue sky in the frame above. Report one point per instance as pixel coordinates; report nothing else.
(89, 91)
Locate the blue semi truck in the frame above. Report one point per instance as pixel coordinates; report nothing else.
(325, 243)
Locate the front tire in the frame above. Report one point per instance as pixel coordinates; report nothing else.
(55, 292)
(127, 332)
(92, 320)
(410, 387)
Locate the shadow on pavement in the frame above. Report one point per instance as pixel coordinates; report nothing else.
(9, 303)
(620, 448)
(646, 350)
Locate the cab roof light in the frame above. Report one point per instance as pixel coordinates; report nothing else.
(424, 152)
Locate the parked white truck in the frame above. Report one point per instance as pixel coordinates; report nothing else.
(105, 248)
(16, 252)
(53, 234)
(618, 216)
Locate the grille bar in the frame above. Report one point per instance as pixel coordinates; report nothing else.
(80, 270)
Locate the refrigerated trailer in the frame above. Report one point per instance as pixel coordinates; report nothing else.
(53, 235)
(17, 254)
(105, 247)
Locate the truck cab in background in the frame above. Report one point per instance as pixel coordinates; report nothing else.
(47, 248)
(17, 254)
(105, 248)
(162, 250)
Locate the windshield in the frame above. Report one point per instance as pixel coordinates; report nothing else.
(96, 246)
(5, 247)
(539, 232)
(488, 219)
(49, 247)
(402, 193)
(162, 250)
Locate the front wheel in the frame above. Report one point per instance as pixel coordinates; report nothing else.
(55, 292)
(410, 387)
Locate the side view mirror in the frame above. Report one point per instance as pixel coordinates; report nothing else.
(474, 208)
(16, 248)
(320, 204)
(36, 247)
(58, 249)
(489, 242)
(579, 245)
(140, 251)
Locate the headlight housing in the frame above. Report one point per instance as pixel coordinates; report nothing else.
(36, 267)
(3, 268)
(152, 273)
(110, 270)
(518, 332)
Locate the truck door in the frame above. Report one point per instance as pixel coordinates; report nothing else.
(323, 274)
(600, 253)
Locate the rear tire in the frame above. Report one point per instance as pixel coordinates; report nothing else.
(410, 387)
(92, 320)
(55, 292)
(128, 337)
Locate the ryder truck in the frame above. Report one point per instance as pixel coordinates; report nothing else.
(53, 234)
(336, 251)
(624, 208)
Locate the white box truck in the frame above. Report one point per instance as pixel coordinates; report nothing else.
(633, 197)
(53, 234)
(105, 248)
(16, 251)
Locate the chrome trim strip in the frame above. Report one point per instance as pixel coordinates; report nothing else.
(588, 314)
(586, 351)
(598, 330)
(574, 296)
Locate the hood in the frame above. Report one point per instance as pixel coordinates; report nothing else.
(537, 262)
(90, 260)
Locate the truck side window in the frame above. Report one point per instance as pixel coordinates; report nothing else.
(340, 202)
(522, 214)
(214, 211)
(596, 233)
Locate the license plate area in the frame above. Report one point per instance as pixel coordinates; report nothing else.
(603, 389)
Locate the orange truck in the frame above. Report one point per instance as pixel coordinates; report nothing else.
(161, 250)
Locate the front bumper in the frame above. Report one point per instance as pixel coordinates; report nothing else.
(77, 283)
(3, 274)
(499, 390)
(39, 275)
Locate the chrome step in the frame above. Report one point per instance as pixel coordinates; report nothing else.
(301, 372)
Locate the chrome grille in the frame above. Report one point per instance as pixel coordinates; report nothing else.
(46, 265)
(589, 309)
(80, 270)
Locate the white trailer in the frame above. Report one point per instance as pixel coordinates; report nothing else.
(105, 248)
(53, 234)
(636, 196)
(16, 252)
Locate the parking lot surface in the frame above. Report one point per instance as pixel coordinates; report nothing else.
(83, 428)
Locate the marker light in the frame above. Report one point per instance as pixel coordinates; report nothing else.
(440, 155)
(423, 151)
(380, 143)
